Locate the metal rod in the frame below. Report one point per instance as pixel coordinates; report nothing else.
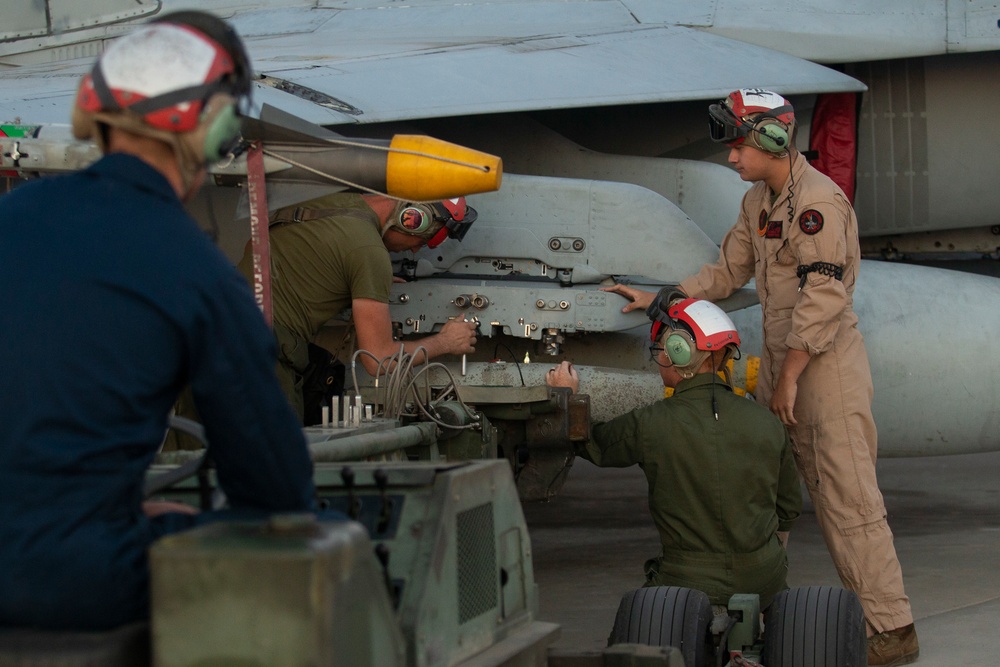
(362, 445)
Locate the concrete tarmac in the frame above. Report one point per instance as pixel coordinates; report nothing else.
(589, 544)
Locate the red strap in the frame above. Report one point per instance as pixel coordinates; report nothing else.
(259, 239)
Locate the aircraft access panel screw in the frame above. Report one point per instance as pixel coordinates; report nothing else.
(564, 304)
(555, 244)
(404, 298)
(540, 303)
(579, 245)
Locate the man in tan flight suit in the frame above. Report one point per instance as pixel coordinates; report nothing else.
(797, 235)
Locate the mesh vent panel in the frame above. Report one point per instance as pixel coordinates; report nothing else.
(477, 563)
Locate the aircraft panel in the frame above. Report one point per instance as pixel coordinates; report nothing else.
(676, 12)
(922, 160)
(858, 30)
(279, 22)
(21, 19)
(469, 22)
(537, 220)
(961, 132)
(973, 25)
(68, 15)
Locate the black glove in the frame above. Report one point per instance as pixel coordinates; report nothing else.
(659, 307)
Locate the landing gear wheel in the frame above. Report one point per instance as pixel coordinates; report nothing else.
(666, 616)
(815, 626)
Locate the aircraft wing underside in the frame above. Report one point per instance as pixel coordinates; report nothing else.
(330, 65)
(432, 78)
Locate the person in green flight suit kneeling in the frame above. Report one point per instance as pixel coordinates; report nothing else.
(723, 487)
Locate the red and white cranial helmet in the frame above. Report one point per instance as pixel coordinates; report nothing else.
(185, 74)
(747, 102)
(163, 73)
(710, 326)
(763, 119)
(690, 330)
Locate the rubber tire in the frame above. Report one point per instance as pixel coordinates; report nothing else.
(667, 616)
(815, 626)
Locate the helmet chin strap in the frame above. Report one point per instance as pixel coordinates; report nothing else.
(689, 370)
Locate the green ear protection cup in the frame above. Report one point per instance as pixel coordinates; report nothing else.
(677, 347)
(771, 136)
(221, 135)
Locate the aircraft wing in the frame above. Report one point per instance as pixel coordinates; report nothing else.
(472, 61)
(442, 59)
(334, 63)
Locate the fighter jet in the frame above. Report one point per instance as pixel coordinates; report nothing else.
(598, 110)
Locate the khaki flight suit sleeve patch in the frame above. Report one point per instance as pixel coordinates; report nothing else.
(816, 317)
(811, 222)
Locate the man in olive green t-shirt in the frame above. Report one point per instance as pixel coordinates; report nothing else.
(331, 254)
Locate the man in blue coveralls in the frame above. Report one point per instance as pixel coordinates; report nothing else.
(114, 300)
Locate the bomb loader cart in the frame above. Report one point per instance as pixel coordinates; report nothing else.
(433, 569)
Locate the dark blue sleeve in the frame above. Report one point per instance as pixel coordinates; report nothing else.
(255, 439)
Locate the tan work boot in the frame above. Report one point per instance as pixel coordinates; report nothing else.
(895, 647)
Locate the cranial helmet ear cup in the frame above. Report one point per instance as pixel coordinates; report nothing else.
(413, 219)
(678, 348)
(771, 136)
(684, 355)
(222, 129)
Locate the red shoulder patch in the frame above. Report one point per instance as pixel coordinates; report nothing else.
(762, 223)
(811, 221)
